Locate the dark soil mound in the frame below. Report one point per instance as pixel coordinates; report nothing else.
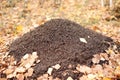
(58, 42)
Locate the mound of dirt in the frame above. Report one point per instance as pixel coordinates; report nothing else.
(60, 41)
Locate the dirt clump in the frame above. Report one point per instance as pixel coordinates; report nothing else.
(60, 41)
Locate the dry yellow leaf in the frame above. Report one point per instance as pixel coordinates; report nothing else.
(110, 51)
(1, 41)
(106, 78)
(19, 28)
(117, 71)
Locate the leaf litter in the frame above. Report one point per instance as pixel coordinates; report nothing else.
(9, 67)
(22, 69)
(104, 66)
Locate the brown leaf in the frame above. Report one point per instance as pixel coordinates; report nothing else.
(97, 69)
(11, 75)
(20, 76)
(85, 69)
(28, 60)
(83, 78)
(8, 71)
(96, 58)
(30, 72)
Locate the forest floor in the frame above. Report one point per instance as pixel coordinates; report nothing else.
(18, 17)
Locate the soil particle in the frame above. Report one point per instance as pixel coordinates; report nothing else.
(58, 42)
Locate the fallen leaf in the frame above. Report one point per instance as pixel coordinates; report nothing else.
(91, 76)
(26, 56)
(96, 28)
(50, 78)
(95, 60)
(106, 78)
(97, 69)
(30, 72)
(85, 69)
(57, 66)
(37, 61)
(20, 76)
(69, 78)
(40, 78)
(11, 75)
(45, 76)
(78, 67)
(28, 62)
(83, 78)
(83, 40)
(50, 71)
(19, 28)
(20, 69)
(8, 71)
(28, 65)
(34, 55)
(117, 71)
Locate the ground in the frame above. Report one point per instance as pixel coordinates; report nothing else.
(20, 17)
